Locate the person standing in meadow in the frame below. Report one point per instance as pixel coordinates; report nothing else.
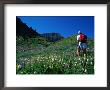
(82, 43)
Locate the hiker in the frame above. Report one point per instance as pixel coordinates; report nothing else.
(82, 43)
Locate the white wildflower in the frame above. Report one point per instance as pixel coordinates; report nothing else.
(87, 59)
(79, 58)
(91, 63)
(34, 72)
(52, 59)
(19, 66)
(85, 70)
(75, 62)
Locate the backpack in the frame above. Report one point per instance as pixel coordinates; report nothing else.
(83, 37)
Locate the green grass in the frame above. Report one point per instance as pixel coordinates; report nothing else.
(57, 58)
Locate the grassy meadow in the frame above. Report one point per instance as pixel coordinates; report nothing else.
(38, 56)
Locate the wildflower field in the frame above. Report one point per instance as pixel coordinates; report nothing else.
(54, 58)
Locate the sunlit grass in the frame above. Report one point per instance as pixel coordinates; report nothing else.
(55, 59)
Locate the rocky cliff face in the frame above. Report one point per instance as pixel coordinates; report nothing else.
(53, 37)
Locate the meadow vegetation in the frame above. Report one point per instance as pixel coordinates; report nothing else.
(38, 56)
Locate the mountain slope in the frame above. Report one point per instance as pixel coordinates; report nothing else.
(24, 31)
(28, 38)
(52, 37)
(57, 58)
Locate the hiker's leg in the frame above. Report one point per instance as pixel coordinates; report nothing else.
(84, 49)
(78, 51)
(84, 52)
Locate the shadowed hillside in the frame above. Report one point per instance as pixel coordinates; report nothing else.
(23, 30)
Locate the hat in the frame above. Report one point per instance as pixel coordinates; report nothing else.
(79, 32)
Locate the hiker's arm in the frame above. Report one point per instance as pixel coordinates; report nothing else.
(78, 39)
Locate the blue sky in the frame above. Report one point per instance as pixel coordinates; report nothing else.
(65, 25)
